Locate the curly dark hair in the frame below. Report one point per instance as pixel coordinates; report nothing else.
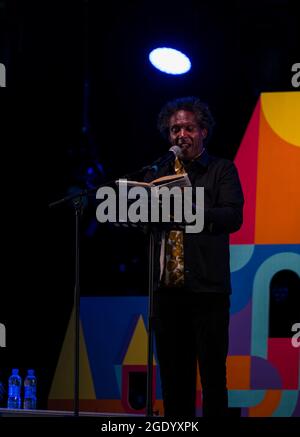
(192, 104)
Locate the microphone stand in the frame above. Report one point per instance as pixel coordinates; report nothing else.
(77, 201)
(149, 400)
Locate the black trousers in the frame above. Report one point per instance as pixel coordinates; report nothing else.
(192, 328)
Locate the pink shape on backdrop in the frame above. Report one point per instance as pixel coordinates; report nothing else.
(285, 358)
(247, 162)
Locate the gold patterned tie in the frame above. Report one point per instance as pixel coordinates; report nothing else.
(174, 266)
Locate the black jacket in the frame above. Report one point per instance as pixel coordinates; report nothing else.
(206, 254)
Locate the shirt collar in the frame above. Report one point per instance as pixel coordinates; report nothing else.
(203, 159)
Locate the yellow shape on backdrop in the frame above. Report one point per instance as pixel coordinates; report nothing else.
(282, 112)
(137, 351)
(63, 381)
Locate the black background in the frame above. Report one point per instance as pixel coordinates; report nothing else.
(238, 50)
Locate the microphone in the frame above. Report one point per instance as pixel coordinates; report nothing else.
(173, 152)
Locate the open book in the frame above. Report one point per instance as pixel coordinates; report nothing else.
(169, 181)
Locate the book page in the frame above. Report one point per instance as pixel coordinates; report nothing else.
(133, 183)
(181, 180)
(169, 178)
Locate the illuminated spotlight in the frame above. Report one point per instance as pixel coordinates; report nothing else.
(170, 61)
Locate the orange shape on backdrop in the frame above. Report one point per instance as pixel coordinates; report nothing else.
(238, 372)
(267, 406)
(278, 189)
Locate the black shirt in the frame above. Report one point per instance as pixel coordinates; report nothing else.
(206, 254)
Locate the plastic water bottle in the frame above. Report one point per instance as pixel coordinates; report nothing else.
(30, 391)
(14, 390)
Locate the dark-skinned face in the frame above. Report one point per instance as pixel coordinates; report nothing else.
(185, 132)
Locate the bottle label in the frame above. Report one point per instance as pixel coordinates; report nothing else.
(14, 391)
(29, 392)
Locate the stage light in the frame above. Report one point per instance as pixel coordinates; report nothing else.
(169, 60)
